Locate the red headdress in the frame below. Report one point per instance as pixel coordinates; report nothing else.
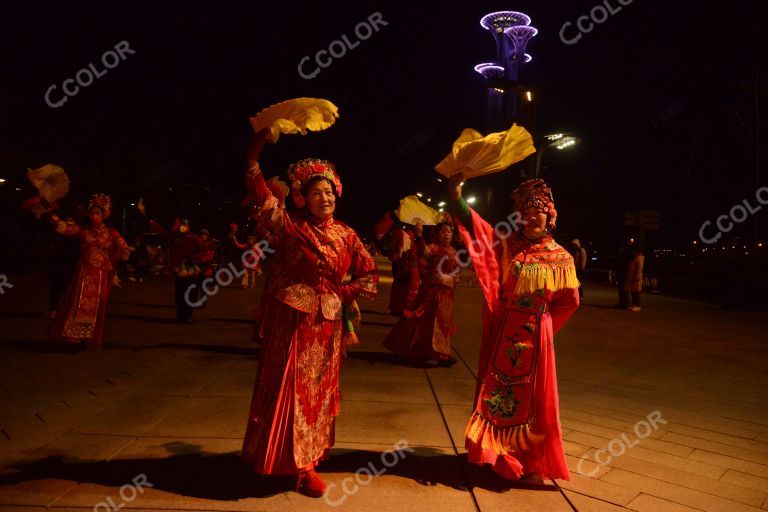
(535, 193)
(102, 202)
(304, 170)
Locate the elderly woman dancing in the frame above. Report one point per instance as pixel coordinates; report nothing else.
(304, 322)
(530, 288)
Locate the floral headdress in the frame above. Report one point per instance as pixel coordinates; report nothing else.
(535, 193)
(102, 202)
(304, 170)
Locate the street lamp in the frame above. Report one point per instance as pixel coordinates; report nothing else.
(471, 200)
(555, 140)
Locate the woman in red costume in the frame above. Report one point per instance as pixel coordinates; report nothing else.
(296, 396)
(80, 319)
(425, 329)
(405, 270)
(530, 289)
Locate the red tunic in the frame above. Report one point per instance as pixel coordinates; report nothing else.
(405, 271)
(81, 315)
(296, 396)
(530, 290)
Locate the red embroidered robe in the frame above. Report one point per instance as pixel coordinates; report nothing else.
(530, 290)
(296, 397)
(81, 315)
(425, 329)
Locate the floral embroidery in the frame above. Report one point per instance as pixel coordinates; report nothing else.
(502, 402)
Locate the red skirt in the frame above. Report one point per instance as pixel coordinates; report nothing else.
(296, 396)
(84, 308)
(425, 331)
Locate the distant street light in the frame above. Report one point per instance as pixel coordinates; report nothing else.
(471, 200)
(2, 180)
(557, 141)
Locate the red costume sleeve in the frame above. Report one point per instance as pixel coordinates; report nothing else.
(563, 304)
(365, 275)
(482, 250)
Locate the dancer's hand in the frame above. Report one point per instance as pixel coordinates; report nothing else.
(141, 207)
(454, 185)
(418, 227)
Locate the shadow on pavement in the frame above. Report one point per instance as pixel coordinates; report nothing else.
(193, 473)
(42, 346)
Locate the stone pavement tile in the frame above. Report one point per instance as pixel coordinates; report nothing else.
(207, 474)
(388, 422)
(722, 449)
(375, 361)
(386, 388)
(245, 363)
(570, 403)
(605, 418)
(718, 437)
(133, 416)
(641, 452)
(42, 475)
(457, 417)
(736, 490)
(523, 500)
(456, 371)
(454, 391)
(724, 461)
(179, 382)
(571, 448)
(230, 383)
(685, 417)
(664, 459)
(599, 489)
(586, 467)
(648, 503)
(745, 480)
(589, 504)
(675, 493)
(206, 417)
(626, 437)
(762, 437)
(188, 473)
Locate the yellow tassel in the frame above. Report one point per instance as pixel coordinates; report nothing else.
(501, 441)
(544, 277)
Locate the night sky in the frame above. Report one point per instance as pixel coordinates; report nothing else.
(176, 111)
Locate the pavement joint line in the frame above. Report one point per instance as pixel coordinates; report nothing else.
(681, 485)
(470, 488)
(758, 426)
(463, 361)
(669, 430)
(562, 493)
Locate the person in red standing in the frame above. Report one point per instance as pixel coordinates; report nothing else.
(530, 288)
(80, 318)
(425, 329)
(405, 270)
(296, 396)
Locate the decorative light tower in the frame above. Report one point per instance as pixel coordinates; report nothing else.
(512, 31)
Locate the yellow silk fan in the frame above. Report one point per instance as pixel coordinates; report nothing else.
(412, 209)
(51, 182)
(477, 155)
(295, 116)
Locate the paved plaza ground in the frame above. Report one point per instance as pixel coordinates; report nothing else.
(662, 410)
